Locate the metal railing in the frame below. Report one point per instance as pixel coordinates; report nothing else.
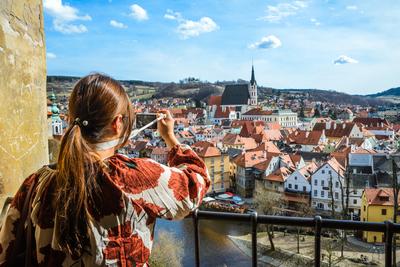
(387, 227)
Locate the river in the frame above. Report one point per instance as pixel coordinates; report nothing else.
(216, 249)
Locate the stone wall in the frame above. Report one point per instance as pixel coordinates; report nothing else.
(23, 129)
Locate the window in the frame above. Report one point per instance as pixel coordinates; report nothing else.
(296, 187)
(364, 208)
(290, 185)
(315, 193)
(323, 171)
(295, 177)
(355, 201)
(337, 184)
(330, 172)
(315, 182)
(323, 183)
(322, 193)
(304, 188)
(383, 211)
(336, 195)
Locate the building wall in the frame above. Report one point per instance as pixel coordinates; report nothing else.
(23, 120)
(320, 190)
(373, 213)
(296, 178)
(218, 168)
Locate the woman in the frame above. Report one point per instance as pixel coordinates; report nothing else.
(98, 208)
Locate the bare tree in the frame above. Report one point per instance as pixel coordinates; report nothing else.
(305, 210)
(266, 202)
(332, 196)
(396, 189)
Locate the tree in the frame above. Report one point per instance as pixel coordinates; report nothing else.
(305, 210)
(317, 113)
(167, 251)
(266, 202)
(396, 189)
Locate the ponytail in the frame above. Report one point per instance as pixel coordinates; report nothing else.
(94, 103)
(76, 179)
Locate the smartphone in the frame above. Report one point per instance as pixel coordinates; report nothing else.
(143, 119)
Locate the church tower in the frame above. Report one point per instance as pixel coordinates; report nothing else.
(253, 88)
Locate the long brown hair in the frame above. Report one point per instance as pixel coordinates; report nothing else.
(95, 102)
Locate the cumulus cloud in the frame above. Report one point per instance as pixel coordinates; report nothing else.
(351, 7)
(138, 13)
(267, 42)
(50, 55)
(344, 60)
(280, 11)
(190, 28)
(63, 17)
(117, 24)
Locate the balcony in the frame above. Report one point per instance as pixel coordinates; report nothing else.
(317, 223)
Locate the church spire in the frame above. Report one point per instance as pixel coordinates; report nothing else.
(253, 79)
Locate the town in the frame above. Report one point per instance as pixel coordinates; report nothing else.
(310, 158)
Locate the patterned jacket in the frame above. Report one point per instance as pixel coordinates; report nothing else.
(135, 192)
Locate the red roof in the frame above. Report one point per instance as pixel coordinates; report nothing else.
(215, 100)
(206, 149)
(371, 121)
(379, 196)
(258, 112)
(335, 129)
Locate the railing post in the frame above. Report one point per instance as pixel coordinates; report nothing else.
(317, 241)
(388, 243)
(254, 238)
(196, 237)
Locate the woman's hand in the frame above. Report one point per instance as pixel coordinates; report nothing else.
(165, 128)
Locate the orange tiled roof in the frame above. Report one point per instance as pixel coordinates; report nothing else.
(378, 196)
(206, 149)
(215, 100)
(280, 175)
(258, 112)
(250, 159)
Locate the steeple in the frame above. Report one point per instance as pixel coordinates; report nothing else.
(253, 88)
(253, 79)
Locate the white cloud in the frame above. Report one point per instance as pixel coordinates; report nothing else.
(170, 14)
(63, 16)
(50, 55)
(117, 24)
(280, 11)
(315, 22)
(138, 13)
(267, 42)
(351, 7)
(344, 60)
(189, 28)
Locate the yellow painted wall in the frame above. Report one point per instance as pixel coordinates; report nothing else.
(373, 213)
(219, 175)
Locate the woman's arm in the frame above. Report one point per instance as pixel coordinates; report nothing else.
(169, 192)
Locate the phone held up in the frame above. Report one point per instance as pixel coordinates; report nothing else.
(142, 119)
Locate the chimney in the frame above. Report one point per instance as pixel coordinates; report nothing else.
(307, 134)
(344, 125)
(264, 154)
(328, 125)
(334, 125)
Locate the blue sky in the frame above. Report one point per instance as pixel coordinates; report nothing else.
(349, 46)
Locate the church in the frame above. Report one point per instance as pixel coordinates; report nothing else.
(235, 100)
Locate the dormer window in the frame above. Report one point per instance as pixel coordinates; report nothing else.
(383, 198)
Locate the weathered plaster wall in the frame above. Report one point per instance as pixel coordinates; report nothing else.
(23, 129)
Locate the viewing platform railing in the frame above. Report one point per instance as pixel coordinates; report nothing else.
(318, 223)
